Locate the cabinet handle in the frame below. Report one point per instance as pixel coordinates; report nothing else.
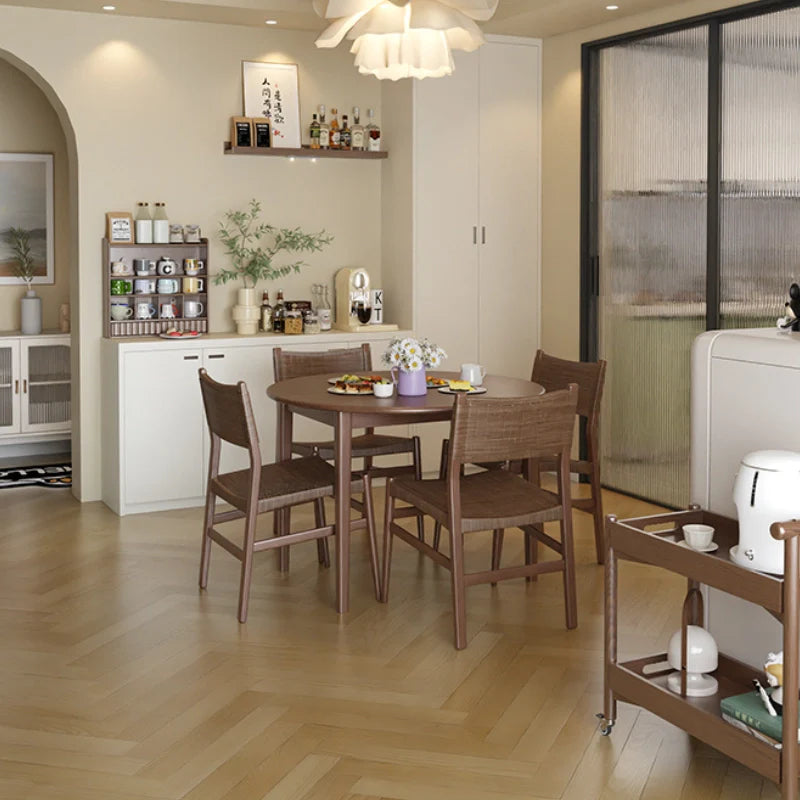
(474, 234)
(483, 234)
(16, 386)
(24, 386)
(191, 358)
(217, 355)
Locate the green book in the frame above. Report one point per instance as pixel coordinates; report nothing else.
(749, 709)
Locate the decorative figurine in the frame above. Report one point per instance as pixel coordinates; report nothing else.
(792, 319)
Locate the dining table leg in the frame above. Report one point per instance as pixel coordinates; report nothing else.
(343, 431)
(283, 452)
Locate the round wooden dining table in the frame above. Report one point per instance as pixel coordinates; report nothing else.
(310, 397)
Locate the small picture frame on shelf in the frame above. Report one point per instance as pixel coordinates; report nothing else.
(119, 227)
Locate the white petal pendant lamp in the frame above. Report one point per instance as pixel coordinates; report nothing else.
(404, 38)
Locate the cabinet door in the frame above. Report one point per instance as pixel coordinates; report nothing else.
(509, 207)
(46, 385)
(10, 387)
(446, 211)
(253, 365)
(162, 420)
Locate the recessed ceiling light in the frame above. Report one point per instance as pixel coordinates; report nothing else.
(272, 22)
(611, 8)
(109, 8)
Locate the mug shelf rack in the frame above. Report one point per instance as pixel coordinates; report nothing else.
(127, 252)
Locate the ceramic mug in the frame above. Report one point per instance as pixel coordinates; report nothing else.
(121, 287)
(168, 286)
(474, 373)
(166, 266)
(193, 285)
(145, 311)
(119, 267)
(121, 311)
(193, 308)
(191, 266)
(168, 311)
(141, 266)
(144, 286)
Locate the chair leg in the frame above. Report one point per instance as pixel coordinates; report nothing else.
(437, 528)
(323, 553)
(282, 523)
(388, 517)
(531, 554)
(418, 476)
(497, 549)
(369, 516)
(205, 549)
(247, 563)
(597, 513)
(459, 588)
(568, 546)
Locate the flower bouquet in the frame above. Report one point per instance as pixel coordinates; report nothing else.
(410, 358)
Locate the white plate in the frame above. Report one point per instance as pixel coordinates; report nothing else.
(335, 390)
(180, 335)
(710, 549)
(473, 390)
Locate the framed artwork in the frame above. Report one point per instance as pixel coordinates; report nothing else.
(271, 91)
(119, 227)
(26, 206)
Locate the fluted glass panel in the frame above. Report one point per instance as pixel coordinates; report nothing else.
(49, 403)
(652, 148)
(760, 199)
(6, 407)
(48, 363)
(6, 369)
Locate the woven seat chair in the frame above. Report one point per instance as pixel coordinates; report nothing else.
(495, 430)
(262, 487)
(367, 446)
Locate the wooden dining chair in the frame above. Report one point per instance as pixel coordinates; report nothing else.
(261, 487)
(495, 430)
(367, 446)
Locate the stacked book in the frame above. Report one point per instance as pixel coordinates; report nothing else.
(747, 712)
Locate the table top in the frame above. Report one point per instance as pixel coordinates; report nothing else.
(312, 392)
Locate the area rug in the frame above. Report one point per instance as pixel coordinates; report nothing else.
(54, 476)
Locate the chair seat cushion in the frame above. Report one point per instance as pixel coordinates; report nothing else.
(494, 499)
(368, 444)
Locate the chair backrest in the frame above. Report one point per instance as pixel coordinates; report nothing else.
(557, 373)
(510, 429)
(229, 414)
(293, 364)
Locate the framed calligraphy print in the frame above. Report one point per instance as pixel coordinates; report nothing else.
(271, 91)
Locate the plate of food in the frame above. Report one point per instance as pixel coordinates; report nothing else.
(173, 333)
(462, 387)
(348, 378)
(351, 387)
(435, 383)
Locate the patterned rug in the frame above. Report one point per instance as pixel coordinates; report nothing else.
(56, 476)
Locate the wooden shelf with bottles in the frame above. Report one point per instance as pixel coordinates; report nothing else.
(301, 152)
(127, 252)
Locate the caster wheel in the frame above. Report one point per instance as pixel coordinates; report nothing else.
(606, 725)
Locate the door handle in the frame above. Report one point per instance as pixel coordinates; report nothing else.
(217, 355)
(24, 386)
(474, 234)
(483, 234)
(16, 386)
(191, 358)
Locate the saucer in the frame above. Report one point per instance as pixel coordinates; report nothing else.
(709, 549)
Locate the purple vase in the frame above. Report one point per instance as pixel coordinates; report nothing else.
(411, 384)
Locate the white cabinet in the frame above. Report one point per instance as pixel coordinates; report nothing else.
(34, 387)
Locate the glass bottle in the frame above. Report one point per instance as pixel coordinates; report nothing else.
(160, 225)
(266, 313)
(324, 130)
(314, 133)
(373, 132)
(357, 130)
(336, 136)
(143, 224)
(278, 314)
(324, 311)
(344, 136)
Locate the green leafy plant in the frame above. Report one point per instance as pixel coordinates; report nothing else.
(19, 241)
(251, 260)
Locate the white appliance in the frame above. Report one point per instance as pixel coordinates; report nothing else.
(766, 490)
(745, 390)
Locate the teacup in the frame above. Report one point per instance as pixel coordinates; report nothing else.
(120, 311)
(383, 389)
(698, 537)
(119, 267)
(474, 373)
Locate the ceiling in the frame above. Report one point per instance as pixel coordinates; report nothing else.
(537, 18)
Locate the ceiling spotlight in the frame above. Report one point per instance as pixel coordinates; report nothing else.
(109, 8)
(271, 22)
(611, 8)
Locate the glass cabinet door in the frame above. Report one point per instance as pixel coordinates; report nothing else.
(46, 380)
(9, 387)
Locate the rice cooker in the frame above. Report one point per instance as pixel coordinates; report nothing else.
(766, 490)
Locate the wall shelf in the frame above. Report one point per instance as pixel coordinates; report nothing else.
(300, 152)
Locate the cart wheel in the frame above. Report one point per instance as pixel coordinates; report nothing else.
(606, 725)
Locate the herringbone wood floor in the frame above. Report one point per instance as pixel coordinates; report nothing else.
(121, 681)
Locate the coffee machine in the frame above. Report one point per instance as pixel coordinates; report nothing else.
(352, 296)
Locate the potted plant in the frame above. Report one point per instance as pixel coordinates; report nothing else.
(18, 239)
(252, 247)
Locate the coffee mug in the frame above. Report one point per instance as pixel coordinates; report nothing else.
(121, 287)
(193, 285)
(144, 286)
(191, 266)
(120, 312)
(474, 373)
(119, 267)
(168, 311)
(193, 308)
(166, 266)
(141, 266)
(145, 311)
(168, 286)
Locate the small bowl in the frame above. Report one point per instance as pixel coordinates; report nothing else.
(383, 389)
(698, 536)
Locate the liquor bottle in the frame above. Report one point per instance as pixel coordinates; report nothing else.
(345, 135)
(336, 135)
(278, 314)
(324, 130)
(160, 225)
(373, 134)
(266, 313)
(357, 130)
(143, 224)
(314, 133)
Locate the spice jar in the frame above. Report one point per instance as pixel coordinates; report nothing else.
(293, 323)
(310, 322)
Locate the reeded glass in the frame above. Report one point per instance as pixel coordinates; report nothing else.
(652, 150)
(760, 197)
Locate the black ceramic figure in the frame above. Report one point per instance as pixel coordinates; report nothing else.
(794, 305)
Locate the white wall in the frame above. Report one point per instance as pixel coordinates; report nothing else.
(149, 102)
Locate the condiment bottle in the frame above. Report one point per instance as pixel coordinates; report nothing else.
(143, 224)
(160, 225)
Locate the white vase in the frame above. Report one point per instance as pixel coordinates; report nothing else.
(246, 313)
(31, 313)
